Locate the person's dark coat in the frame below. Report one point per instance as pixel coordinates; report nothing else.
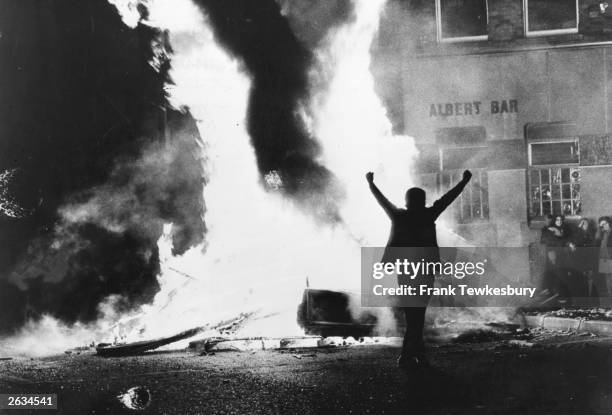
(597, 243)
(584, 257)
(415, 226)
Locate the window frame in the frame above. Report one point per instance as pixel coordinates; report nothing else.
(531, 167)
(552, 141)
(457, 206)
(550, 32)
(442, 150)
(459, 38)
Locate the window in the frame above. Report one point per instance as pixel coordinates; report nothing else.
(473, 203)
(550, 17)
(554, 178)
(461, 20)
(457, 158)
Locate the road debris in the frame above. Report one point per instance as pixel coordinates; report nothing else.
(136, 398)
(124, 349)
(603, 314)
(521, 343)
(300, 355)
(301, 341)
(480, 336)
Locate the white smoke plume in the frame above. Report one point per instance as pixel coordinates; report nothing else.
(259, 248)
(47, 335)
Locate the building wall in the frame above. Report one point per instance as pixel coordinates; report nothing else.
(547, 85)
(494, 90)
(507, 210)
(506, 21)
(596, 190)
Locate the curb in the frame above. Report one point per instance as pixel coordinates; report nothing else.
(577, 325)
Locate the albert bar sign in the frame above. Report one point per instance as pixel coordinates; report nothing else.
(473, 108)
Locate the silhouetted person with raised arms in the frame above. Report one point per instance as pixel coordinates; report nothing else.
(415, 227)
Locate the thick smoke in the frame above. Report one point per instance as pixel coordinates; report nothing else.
(162, 185)
(393, 44)
(279, 61)
(96, 162)
(313, 21)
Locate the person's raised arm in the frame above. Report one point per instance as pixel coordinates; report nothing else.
(441, 204)
(380, 198)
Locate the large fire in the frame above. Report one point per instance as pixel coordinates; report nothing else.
(260, 248)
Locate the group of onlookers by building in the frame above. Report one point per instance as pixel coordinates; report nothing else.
(578, 259)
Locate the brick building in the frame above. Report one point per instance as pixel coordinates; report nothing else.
(515, 90)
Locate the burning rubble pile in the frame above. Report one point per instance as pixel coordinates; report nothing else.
(604, 314)
(120, 349)
(283, 202)
(216, 76)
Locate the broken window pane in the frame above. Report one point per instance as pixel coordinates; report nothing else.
(562, 195)
(556, 194)
(536, 194)
(535, 210)
(576, 191)
(566, 193)
(565, 176)
(473, 203)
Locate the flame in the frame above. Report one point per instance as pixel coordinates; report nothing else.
(259, 248)
(350, 121)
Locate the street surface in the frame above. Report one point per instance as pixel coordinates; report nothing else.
(560, 375)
